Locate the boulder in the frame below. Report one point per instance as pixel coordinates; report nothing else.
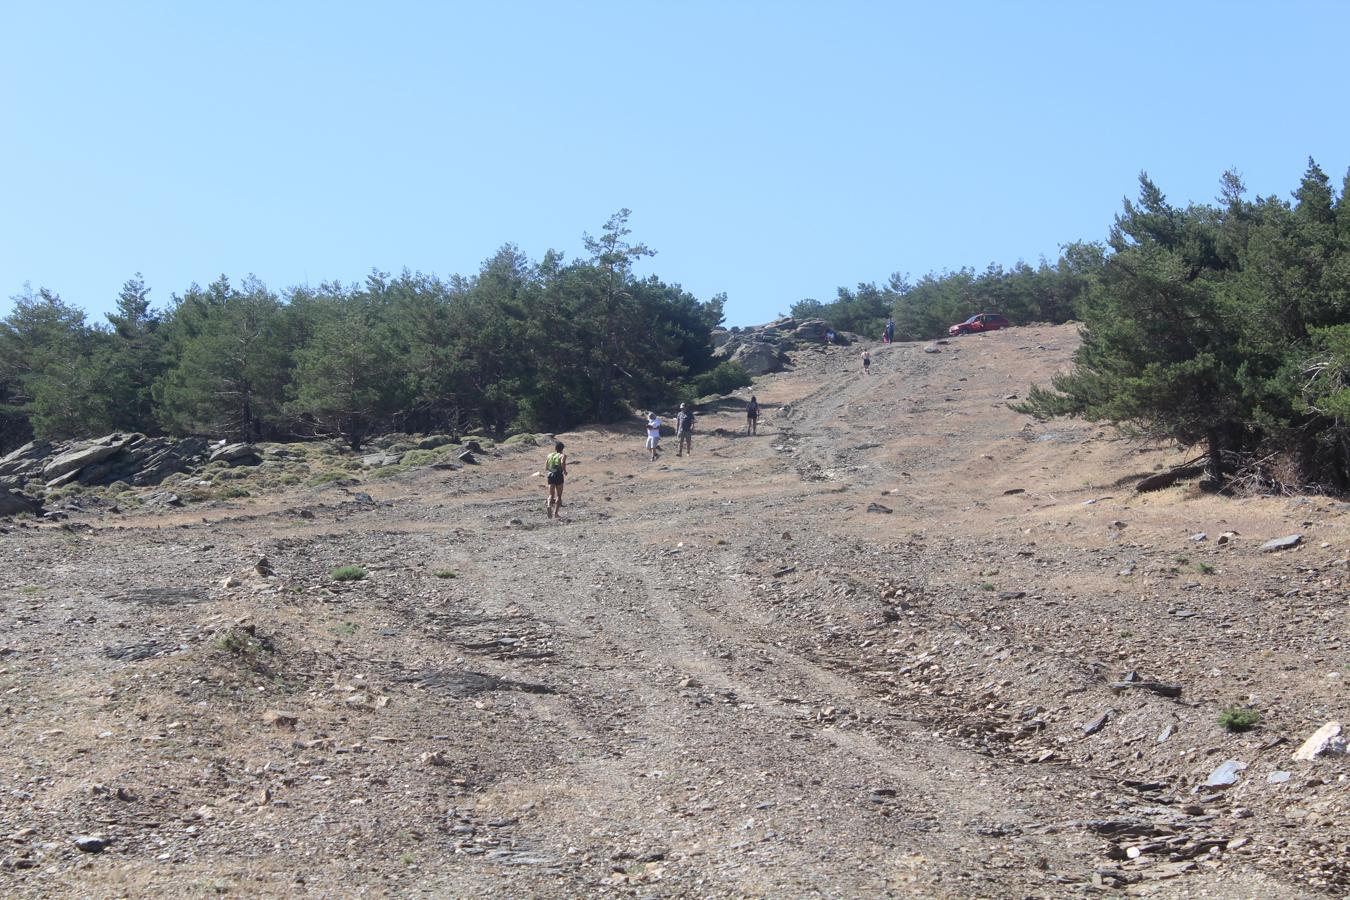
(811, 330)
(380, 460)
(238, 455)
(758, 358)
(85, 455)
(719, 337)
(12, 504)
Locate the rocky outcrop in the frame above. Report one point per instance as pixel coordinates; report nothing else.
(25, 461)
(758, 358)
(763, 348)
(237, 455)
(76, 458)
(131, 458)
(12, 504)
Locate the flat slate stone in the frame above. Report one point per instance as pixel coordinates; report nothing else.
(1226, 773)
(1283, 543)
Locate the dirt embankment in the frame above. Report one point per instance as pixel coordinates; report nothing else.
(903, 641)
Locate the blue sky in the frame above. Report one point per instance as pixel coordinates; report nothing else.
(773, 151)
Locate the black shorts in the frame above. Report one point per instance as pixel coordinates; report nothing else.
(555, 477)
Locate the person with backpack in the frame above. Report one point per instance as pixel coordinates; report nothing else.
(890, 331)
(654, 434)
(684, 430)
(556, 468)
(752, 416)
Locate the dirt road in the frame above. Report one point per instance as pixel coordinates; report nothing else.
(863, 653)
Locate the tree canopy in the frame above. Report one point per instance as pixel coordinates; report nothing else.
(521, 345)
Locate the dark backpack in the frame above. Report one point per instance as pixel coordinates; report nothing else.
(688, 420)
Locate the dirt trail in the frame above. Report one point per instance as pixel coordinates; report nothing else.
(717, 676)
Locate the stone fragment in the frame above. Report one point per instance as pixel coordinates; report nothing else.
(1325, 741)
(1283, 543)
(878, 508)
(1225, 774)
(1157, 687)
(278, 719)
(1097, 724)
(90, 843)
(1277, 777)
(1199, 536)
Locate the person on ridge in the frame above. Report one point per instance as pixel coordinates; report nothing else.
(752, 416)
(890, 331)
(684, 430)
(867, 362)
(654, 434)
(556, 467)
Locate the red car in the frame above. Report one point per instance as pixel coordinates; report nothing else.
(980, 322)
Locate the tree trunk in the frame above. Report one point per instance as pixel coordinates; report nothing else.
(1214, 464)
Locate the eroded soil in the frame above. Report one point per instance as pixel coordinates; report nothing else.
(717, 676)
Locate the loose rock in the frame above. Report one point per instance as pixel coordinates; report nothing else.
(1325, 741)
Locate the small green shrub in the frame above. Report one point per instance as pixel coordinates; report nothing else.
(326, 478)
(349, 573)
(445, 573)
(1234, 719)
(724, 379)
(419, 458)
(986, 586)
(388, 471)
(240, 642)
(231, 491)
(346, 629)
(1204, 568)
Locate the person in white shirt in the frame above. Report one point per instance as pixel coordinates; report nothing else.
(654, 434)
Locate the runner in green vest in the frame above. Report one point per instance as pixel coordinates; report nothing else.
(556, 467)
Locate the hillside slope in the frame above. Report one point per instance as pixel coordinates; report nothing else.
(868, 651)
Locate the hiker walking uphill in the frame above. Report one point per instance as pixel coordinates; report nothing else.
(684, 430)
(752, 416)
(556, 467)
(867, 362)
